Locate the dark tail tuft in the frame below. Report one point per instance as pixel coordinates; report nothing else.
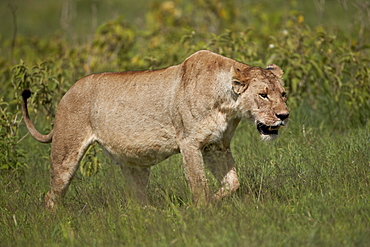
(26, 94)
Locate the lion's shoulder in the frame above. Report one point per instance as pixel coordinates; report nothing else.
(207, 63)
(206, 56)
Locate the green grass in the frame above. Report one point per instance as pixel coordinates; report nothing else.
(311, 187)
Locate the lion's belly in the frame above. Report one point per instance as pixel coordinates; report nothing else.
(135, 129)
(138, 144)
(137, 154)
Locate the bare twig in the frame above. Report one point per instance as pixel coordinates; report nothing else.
(23, 137)
(13, 9)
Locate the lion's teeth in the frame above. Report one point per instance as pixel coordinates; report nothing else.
(274, 128)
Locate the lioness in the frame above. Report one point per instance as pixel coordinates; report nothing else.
(141, 118)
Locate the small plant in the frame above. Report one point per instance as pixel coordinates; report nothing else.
(12, 156)
(90, 164)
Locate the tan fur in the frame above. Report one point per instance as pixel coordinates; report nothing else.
(141, 118)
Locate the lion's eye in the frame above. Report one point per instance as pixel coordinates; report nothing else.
(263, 95)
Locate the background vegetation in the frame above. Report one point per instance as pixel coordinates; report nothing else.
(309, 188)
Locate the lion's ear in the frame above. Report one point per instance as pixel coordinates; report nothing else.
(235, 73)
(238, 86)
(275, 70)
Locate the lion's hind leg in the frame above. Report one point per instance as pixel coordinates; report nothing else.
(67, 151)
(136, 182)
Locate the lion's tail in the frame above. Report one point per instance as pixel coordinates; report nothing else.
(35, 134)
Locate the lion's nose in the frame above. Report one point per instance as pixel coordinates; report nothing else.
(282, 116)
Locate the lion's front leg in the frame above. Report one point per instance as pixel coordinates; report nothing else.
(229, 184)
(222, 165)
(195, 174)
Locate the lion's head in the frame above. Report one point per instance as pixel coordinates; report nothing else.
(261, 95)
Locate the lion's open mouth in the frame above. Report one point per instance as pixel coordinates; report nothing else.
(268, 130)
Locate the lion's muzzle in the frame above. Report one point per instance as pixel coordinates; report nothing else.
(269, 132)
